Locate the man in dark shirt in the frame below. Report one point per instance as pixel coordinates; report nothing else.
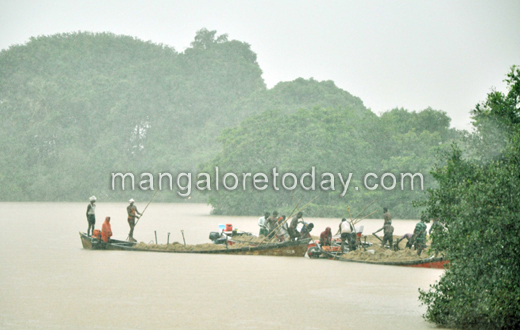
(420, 235)
(293, 232)
(306, 230)
(271, 223)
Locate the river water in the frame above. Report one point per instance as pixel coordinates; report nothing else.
(48, 281)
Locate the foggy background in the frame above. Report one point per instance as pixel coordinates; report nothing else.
(410, 54)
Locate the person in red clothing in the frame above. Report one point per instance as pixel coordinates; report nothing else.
(106, 230)
(326, 237)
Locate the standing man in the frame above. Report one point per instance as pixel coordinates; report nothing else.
(420, 235)
(132, 214)
(293, 232)
(387, 216)
(91, 215)
(271, 223)
(262, 223)
(436, 226)
(388, 235)
(345, 229)
(282, 230)
(388, 219)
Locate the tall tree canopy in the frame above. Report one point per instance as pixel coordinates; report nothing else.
(347, 139)
(78, 106)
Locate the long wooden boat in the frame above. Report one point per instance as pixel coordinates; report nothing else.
(286, 249)
(439, 263)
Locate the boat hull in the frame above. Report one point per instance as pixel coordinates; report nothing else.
(286, 249)
(438, 263)
(91, 243)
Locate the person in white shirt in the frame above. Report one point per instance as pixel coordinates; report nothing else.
(262, 223)
(346, 230)
(91, 215)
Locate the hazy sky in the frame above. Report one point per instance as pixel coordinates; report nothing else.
(410, 54)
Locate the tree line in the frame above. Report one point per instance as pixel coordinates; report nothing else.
(80, 106)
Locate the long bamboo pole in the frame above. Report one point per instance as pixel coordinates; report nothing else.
(142, 213)
(357, 216)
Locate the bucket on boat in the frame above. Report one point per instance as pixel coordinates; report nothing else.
(96, 233)
(229, 227)
(213, 235)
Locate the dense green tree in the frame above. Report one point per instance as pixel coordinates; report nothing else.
(79, 106)
(477, 201)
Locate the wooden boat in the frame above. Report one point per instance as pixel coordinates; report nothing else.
(92, 243)
(439, 263)
(332, 253)
(287, 249)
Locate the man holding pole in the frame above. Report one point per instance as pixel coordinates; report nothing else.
(388, 220)
(132, 214)
(293, 232)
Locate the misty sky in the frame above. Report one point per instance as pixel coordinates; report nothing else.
(410, 54)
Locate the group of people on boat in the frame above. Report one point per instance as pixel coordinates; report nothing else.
(417, 239)
(106, 230)
(273, 225)
(276, 226)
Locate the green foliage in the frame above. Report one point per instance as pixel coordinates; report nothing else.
(79, 106)
(478, 202)
(336, 140)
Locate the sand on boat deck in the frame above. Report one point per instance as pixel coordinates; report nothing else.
(377, 253)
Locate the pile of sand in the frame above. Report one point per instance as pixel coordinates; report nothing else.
(175, 246)
(376, 253)
(254, 239)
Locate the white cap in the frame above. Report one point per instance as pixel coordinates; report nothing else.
(131, 200)
(93, 198)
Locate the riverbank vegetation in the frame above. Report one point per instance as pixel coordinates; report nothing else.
(478, 204)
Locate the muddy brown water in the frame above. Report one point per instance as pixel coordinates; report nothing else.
(48, 281)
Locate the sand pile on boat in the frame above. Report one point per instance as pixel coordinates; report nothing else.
(255, 239)
(176, 246)
(376, 253)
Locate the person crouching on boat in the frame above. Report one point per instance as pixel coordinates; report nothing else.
(91, 215)
(106, 230)
(409, 240)
(326, 237)
(132, 214)
(306, 230)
